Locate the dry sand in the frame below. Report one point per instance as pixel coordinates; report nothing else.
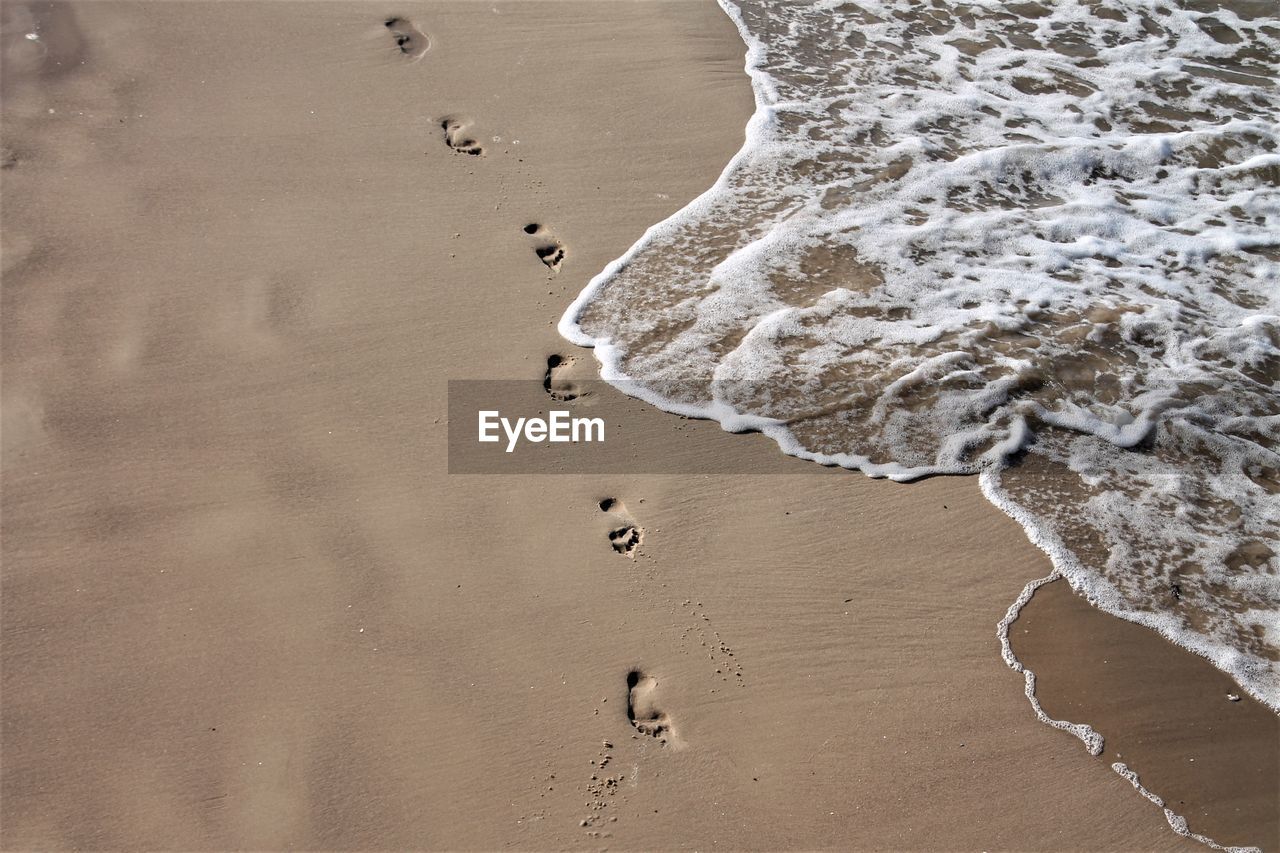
(245, 606)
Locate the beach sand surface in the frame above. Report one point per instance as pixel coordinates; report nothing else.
(245, 606)
(1210, 749)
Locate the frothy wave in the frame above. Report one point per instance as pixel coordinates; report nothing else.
(1039, 242)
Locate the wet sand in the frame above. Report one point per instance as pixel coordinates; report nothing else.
(245, 606)
(1168, 715)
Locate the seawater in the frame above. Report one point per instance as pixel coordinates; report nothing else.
(1039, 242)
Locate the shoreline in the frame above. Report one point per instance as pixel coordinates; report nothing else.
(246, 606)
(610, 360)
(1165, 714)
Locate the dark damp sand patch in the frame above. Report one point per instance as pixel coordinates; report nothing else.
(1166, 713)
(60, 47)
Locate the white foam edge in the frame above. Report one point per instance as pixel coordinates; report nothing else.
(609, 356)
(1177, 822)
(765, 99)
(1065, 567)
(1094, 589)
(1092, 739)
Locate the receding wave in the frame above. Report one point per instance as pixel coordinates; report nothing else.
(1035, 241)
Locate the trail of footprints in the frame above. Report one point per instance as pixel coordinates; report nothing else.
(644, 711)
(410, 41)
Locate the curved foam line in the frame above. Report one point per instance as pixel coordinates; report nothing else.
(609, 356)
(765, 99)
(1068, 567)
(1093, 741)
(1177, 822)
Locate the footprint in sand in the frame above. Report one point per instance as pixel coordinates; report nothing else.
(643, 711)
(549, 250)
(552, 254)
(455, 135)
(627, 537)
(409, 40)
(555, 381)
(626, 540)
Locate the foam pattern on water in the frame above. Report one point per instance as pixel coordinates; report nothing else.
(1036, 241)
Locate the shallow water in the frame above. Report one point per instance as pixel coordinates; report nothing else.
(1040, 242)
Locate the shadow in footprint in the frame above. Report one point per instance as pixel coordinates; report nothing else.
(625, 540)
(645, 716)
(410, 41)
(554, 381)
(551, 254)
(549, 250)
(455, 136)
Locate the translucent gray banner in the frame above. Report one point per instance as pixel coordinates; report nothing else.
(591, 427)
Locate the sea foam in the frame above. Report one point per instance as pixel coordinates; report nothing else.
(1039, 242)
